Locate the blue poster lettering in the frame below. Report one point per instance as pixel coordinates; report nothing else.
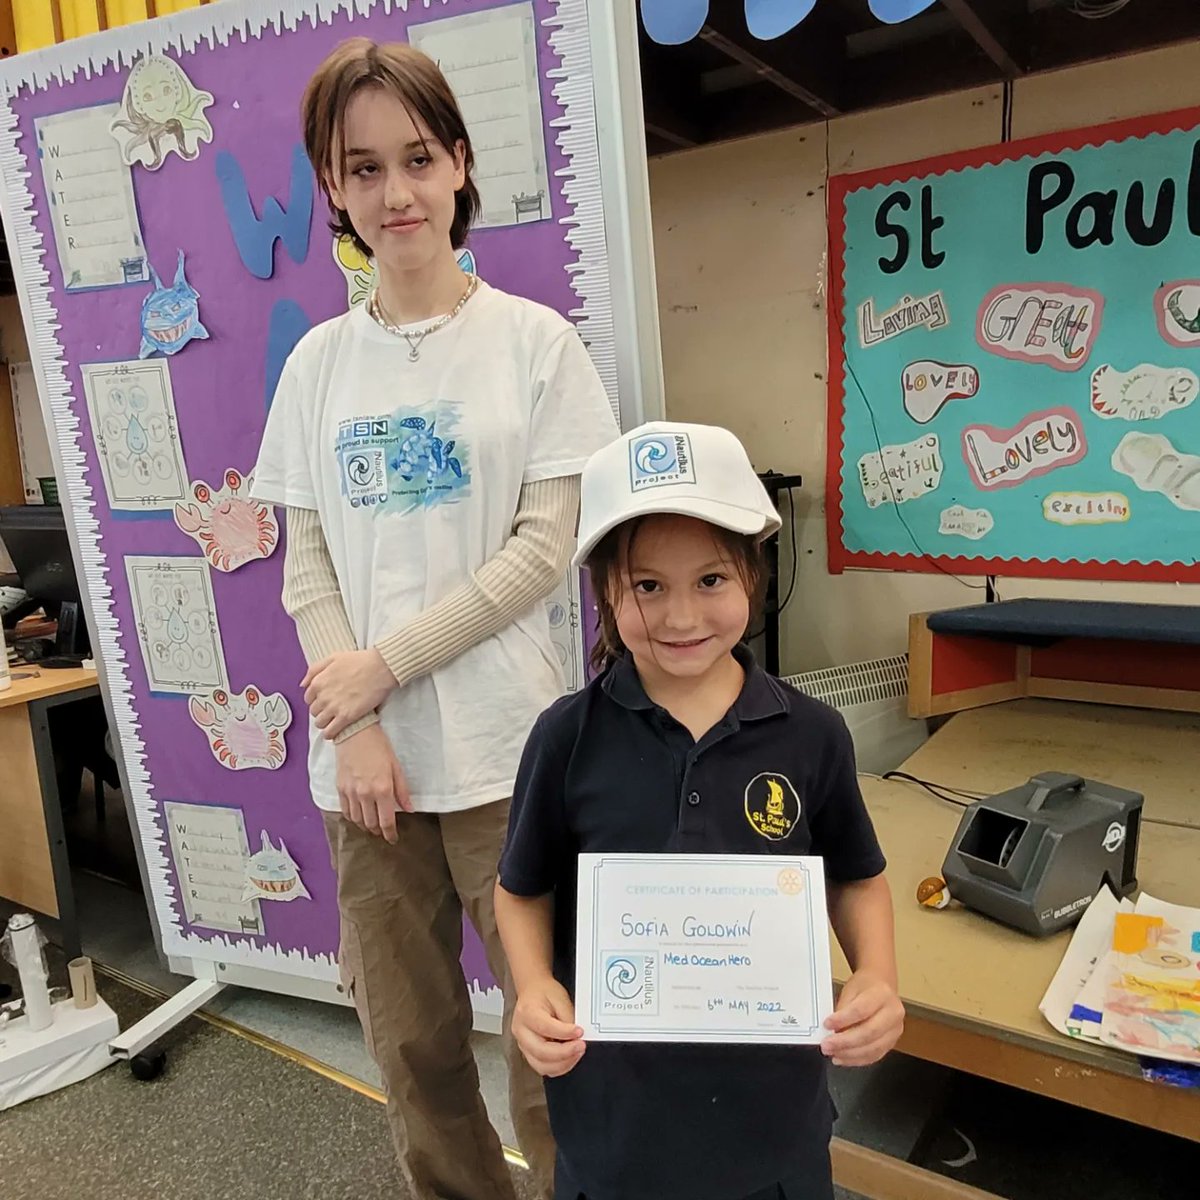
(255, 238)
(288, 326)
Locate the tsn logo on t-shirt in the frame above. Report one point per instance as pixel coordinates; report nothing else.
(363, 461)
(660, 458)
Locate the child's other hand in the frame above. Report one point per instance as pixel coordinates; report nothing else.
(544, 1026)
(867, 1023)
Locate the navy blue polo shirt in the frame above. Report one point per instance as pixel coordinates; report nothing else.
(606, 770)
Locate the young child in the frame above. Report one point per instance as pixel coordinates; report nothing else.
(674, 749)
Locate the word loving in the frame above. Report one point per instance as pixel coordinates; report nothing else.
(1042, 442)
(910, 312)
(1050, 323)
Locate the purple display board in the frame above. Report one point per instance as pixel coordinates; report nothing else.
(171, 249)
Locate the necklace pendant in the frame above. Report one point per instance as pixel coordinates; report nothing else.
(413, 354)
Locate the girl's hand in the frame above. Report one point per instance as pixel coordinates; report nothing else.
(345, 686)
(544, 1026)
(371, 784)
(867, 1023)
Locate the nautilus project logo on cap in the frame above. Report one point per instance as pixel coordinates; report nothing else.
(629, 983)
(659, 458)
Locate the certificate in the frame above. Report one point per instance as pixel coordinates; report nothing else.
(702, 948)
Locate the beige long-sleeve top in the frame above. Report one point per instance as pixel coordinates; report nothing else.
(526, 570)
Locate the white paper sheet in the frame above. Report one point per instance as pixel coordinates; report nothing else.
(177, 624)
(490, 60)
(132, 410)
(92, 208)
(211, 854)
(1089, 944)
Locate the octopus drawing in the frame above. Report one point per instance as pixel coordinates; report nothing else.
(161, 113)
(231, 528)
(245, 730)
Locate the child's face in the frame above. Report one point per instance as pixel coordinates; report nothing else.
(681, 607)
(398, 182)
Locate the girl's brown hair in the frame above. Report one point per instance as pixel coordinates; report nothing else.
(416, 81)
(611, 561)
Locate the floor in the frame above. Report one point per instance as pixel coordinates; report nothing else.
(1018, 1146)
(229, 1118)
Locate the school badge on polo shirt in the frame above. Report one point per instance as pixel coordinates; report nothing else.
(772, 806)
(660, 458)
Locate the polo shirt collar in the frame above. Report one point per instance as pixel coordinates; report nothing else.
(760, 697)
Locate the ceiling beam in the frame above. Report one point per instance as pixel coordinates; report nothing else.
(969, 14)
(1059, 37)
(805, 63)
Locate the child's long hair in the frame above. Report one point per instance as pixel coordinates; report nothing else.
(611, 560)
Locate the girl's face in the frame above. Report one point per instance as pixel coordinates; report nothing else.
(681, 606)
(398, 182)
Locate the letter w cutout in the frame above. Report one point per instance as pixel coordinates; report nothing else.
(255, 239)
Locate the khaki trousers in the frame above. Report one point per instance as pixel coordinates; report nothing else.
(401, 940)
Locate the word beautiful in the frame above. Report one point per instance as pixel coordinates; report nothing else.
(908, 313)
(1042, 442)
(897, 474)
(1052, 323)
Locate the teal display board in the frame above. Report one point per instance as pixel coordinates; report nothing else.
(1014, 344)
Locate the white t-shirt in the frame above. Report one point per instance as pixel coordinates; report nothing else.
(416, 469)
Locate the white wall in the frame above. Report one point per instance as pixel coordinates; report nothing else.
(739, 234)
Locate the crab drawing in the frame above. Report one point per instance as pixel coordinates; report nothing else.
(424, 453)
(246, 729)
(227, 525)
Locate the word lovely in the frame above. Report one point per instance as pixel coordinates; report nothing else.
(929, 386)
(927, 312)
(1050, 323)
(1042, 442)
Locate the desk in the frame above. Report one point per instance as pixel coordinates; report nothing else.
(972, 986)
(34, 871)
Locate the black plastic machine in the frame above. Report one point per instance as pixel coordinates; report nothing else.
(1035, 857)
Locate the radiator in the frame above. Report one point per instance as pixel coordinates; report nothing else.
(872, 698)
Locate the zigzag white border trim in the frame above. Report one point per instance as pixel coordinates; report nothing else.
(184, 33)
(574, 90)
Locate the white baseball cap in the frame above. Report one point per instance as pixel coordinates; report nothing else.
(699, 471)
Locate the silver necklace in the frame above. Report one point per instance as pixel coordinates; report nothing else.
(414, 337)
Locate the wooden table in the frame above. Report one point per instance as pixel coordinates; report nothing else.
(34, 871)
(972, 986)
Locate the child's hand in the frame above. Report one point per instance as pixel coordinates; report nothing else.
(544, 1026)
(867, 1023)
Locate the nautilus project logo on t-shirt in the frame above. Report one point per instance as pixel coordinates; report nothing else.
(660, 458)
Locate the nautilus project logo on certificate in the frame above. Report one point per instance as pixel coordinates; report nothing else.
(629, 983)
